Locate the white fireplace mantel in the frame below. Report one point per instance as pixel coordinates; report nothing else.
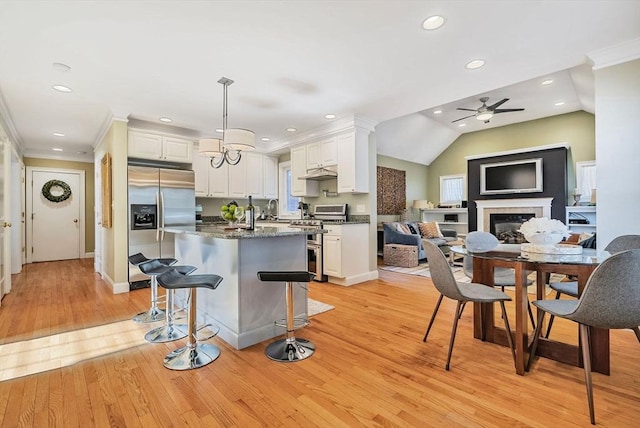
(488, 206)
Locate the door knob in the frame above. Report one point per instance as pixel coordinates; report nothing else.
(75, 220)
(6, 224)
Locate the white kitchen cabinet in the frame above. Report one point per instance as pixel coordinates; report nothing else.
(322, 154)
(270, 174)
(353, 164)
(200, 166)
(254, 175)
(238, 179)
(345, 252)
(301, 187)
(210, 182)
(146, 145)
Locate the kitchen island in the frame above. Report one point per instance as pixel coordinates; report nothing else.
(243, 307)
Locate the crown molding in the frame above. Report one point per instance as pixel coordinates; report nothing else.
(522, 150)
(614, 55)
(9, 127)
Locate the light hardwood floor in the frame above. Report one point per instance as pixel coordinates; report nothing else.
(371, 367)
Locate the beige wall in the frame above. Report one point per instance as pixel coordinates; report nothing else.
(576, 129)
(89, 222)
(114, 245)
(416, 179)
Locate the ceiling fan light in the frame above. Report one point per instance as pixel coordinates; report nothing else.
(210, 147)
(484, 116)
(239, 139)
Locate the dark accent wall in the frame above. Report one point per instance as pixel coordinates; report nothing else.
(554, 181)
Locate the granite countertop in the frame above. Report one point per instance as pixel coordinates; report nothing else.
(222, 231)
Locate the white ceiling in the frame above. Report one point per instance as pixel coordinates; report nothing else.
(293, 62)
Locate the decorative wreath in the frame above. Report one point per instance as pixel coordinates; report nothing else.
(46, 191)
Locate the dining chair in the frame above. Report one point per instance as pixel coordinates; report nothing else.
(610, 300)
(570, 288)
(444, 281)
(478, 241)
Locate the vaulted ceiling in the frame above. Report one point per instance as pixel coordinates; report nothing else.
(293, 62)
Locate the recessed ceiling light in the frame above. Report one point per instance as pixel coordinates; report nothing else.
(437, 111)
(475, 63)
(291, 129)
(546, 82)
(166, 119)
(559, 103)
(330, 116)
(56, 149)
(433, 22)
(58, 134)
(61, 67)
(220, 130)
(265, 139)
(62, 88)
(462, 125)
(81, 153)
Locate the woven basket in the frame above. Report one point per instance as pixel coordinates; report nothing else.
(400, 255)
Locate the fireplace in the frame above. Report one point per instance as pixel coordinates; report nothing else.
(539, 207)
(505, 226)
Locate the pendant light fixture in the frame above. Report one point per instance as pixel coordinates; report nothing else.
(233, 142)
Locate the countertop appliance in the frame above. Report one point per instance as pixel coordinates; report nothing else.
(322, 214)
(158, 197)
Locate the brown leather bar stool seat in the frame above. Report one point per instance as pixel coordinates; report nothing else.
(290, 348)
(193, 355)
(154, 313)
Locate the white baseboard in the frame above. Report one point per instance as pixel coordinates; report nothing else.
(88, 255)
(116, 287)
(356, 279)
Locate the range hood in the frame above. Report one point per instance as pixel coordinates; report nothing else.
(319, 174)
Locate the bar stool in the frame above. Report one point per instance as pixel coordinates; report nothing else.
(290, 348)
(170, 331)
(194, 355)
(154, 313)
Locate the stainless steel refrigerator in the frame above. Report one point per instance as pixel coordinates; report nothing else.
(158, 198)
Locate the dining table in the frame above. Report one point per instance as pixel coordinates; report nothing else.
(579, 266)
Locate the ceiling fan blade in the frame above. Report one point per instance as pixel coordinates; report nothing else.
(462, 118)
(466, 109)
(507, 110)
(498, 104)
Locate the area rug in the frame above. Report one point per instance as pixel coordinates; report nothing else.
(314, 307)
(423, 270)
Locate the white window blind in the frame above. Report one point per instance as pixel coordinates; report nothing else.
(452, 188)
(585, 179)
(287, 204)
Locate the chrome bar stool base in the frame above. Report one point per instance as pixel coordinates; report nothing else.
(166, 333)
(287, 350)
(187, 357)
(152, 315)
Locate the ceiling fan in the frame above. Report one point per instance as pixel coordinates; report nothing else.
(485, 113)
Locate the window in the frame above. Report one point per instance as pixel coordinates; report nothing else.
(287, 205)
(452, 189)
(585, 179)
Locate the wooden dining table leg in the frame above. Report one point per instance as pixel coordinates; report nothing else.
(483, 319)
(599, 338)
(521, 341)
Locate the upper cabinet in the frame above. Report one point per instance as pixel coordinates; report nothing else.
(322, 154)
(353, 164)
(301, 187)
(255, 175)
(145, 145)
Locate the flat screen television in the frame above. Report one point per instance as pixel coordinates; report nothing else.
(521, 176)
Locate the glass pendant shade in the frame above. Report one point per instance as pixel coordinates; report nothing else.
(239, 139)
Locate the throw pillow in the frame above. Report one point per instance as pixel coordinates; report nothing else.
(430, 230)
(403, 227)
(412, 229)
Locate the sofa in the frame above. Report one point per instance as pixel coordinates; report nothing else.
(414, 233)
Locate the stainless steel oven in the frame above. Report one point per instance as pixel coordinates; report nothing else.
(321, 213)
(314, 247)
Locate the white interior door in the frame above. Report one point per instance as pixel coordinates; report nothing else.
(4, 177)
(55, 226)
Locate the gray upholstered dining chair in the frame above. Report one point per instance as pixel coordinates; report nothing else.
(610, 300)
(461, 292)
(570, 288)
(502, 277)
